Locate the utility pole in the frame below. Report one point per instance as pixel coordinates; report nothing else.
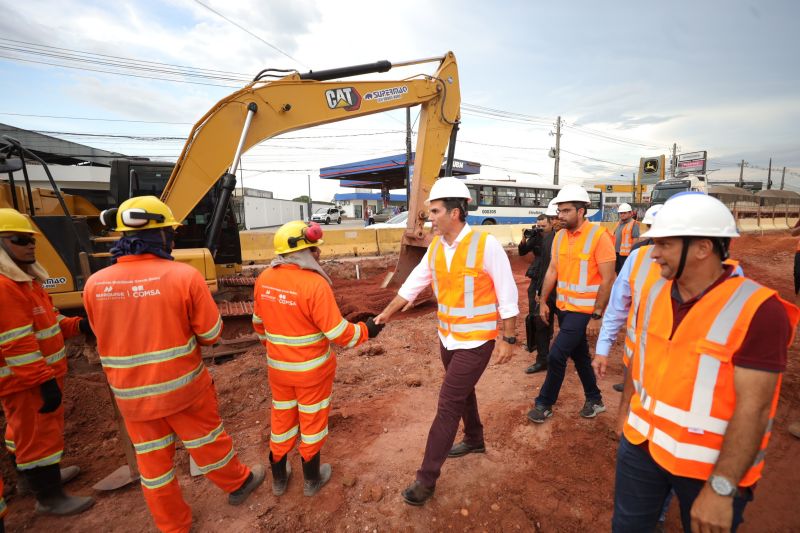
(633, 190)
(741, 174)
(408, 156)
(783, 175)
(558, 150)
(769, 175)
(309, 197)
(674, 160)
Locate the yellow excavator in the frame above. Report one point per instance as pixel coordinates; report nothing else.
(75, 245)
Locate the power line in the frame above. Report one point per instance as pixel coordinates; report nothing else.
(250, 32)
(600, 160)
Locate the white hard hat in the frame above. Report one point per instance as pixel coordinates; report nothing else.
(624, 208)
(572, 193)
(552, 209)
(650, 214)
(693, 214)
(449, 188)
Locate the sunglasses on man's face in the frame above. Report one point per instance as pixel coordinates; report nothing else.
(22, 240)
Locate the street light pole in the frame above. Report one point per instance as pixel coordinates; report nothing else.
(309, 197)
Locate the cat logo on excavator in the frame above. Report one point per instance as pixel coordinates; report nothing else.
(346, 98)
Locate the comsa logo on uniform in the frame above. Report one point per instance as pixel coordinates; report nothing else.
(346, 98)
(139, 291)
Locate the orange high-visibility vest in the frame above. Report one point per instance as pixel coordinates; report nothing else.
(296, 318)
(578, 276)
(643, 274)
(623, 236)
(684, 393)
(150, 316)
(466, 296)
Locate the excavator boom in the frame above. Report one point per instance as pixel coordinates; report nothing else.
(265, 109)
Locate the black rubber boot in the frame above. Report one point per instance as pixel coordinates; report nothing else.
(45, 482)
(281, 472)
(315, 475)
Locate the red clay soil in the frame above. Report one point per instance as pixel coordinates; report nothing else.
(555, 477)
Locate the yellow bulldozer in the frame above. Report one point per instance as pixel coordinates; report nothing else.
(75, 244)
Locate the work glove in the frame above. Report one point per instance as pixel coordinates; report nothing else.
(85, 327)
(51, 396)
(373, 329)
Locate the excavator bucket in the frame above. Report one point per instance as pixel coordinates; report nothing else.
(410, 256)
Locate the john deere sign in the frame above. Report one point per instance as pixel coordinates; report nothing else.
(651, 169)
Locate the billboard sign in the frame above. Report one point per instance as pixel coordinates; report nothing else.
(691, 163)
(651, 169)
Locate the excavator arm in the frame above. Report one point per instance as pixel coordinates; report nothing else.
(265, 109)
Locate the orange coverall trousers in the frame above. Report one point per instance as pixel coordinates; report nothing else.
(36, 439)
(299, 410)
(200, 428)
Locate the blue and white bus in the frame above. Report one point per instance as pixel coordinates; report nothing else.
(508, 202)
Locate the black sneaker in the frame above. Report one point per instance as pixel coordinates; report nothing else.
(592, 409)
(540, 413)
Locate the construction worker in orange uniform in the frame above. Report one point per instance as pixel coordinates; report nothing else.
(150, 315)
(581, 271)
(703, 379)
(32, 368)
(474, 286)
(625, 235)
(297, 319)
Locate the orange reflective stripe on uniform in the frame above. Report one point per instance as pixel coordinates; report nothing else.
(148, 358)
(45, 461)
(16, 334)
(158, 388)
(283, 437)
(300, 366)
(158, 482)
(316, 437)
(686, 419)
(24, 359)
(213, 332)
(153, 445)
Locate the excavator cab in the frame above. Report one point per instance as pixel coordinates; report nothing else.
(67, 223)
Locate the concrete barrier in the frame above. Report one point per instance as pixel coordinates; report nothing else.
(349, 242)
(388, 240)
(256, 246)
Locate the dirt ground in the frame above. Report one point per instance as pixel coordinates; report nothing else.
(555, 477)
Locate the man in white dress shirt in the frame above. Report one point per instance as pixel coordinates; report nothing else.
(474, 286)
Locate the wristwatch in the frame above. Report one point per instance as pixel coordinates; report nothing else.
(596, 316)
(722, 485)
(510, 340)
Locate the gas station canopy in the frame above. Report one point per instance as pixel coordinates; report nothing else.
(388, 172)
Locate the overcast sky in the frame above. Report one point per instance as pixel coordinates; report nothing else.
(628, 79)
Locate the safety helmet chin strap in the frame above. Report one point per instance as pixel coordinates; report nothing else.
(684, 251)
(721, 245)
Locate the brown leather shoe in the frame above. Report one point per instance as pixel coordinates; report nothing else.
(462, 448)
(417, 494)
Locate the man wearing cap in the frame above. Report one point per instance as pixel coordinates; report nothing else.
(625, 235)
(581, 271)
(33, 364)
(151, 314)
(296, 318)
(704, 377)
(472, 280)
